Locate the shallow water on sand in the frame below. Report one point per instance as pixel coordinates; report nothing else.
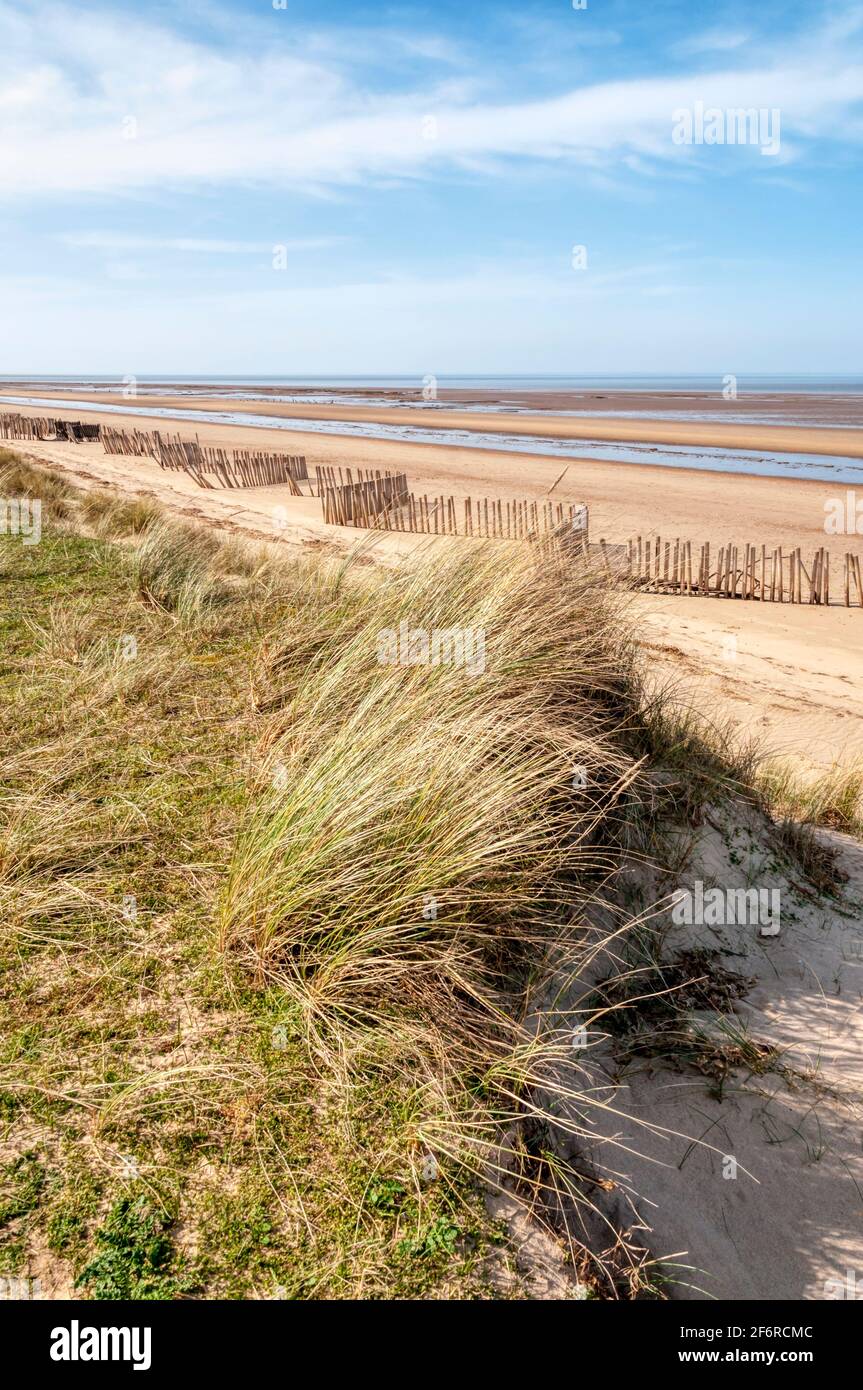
(762, 463)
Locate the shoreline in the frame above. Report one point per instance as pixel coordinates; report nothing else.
(836, 441)
(626, 499)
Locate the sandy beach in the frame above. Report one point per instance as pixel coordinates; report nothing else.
(625, 499)
(806, 439)
(792, 675)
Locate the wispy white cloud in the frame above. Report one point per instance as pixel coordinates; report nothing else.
(95, 103)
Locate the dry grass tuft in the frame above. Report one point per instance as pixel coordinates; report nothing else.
(834, 798)
(422, 839)
(114, 517)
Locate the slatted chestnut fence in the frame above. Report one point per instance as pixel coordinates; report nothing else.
(240, 468)
(366, 504)
(293, 464)
(132, 443)
(25, 427)
(331, 478)
(517, 519)
(744, 572)
(77, 431)
(173, 452)
(247, 468)
(43, 428)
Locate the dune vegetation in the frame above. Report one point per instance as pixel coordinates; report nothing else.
(280, 915)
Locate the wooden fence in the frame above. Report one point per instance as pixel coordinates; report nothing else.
(25, 427)
(330, 479)
(360, 504)
(77, 431)
(380, 500)
(240, 468)
(132, 443)
(743, 572)
(247, 468)
(170, 451)
(366, 502)
(45, 428)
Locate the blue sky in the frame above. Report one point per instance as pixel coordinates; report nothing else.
(428, 170)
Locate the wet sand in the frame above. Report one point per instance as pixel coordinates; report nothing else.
(808, 439)
(801, 407)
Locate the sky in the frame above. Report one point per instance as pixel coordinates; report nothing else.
(302, 187)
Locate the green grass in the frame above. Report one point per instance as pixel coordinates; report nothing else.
(136, 1256)
(139, 1057)
(241, 1057)
(22, 1182)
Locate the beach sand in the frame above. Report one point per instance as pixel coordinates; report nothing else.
(846, 442)
(796, 673)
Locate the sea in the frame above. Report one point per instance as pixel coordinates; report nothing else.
(777, 384)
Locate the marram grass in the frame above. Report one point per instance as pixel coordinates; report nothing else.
(419, 841)
(383, 865)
